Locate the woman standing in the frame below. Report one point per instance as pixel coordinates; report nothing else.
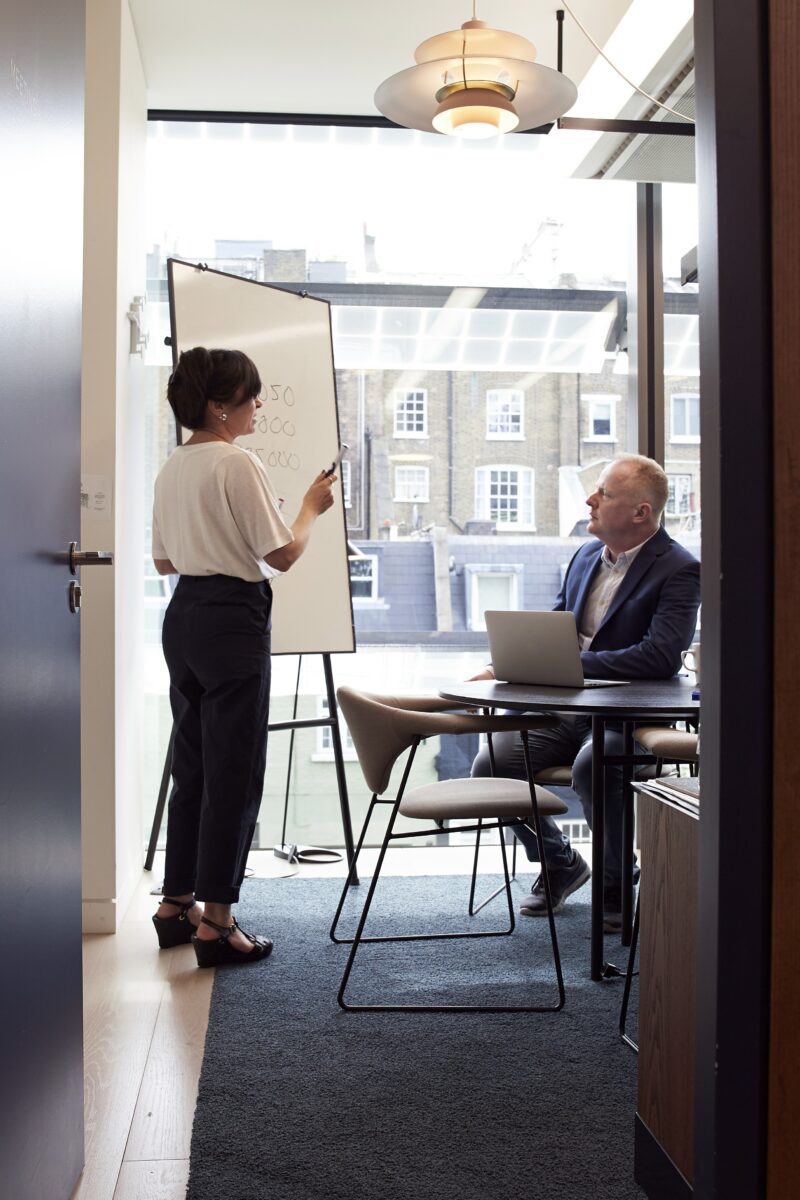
(217, 524)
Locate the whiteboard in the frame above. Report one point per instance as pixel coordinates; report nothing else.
(288, 337)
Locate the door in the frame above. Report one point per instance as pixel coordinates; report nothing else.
(41, 136)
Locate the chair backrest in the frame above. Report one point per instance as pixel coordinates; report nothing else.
(378, 735)
(382, 727)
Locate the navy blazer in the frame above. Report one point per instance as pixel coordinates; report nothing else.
(652, 617)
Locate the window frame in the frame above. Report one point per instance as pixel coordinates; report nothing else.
(373, 578)
(325, 753)
(526, 481)
(594, 399)
(401, 397)
(345, 467)
(676, 512)
(685, 439)
(400, 499)
(500, 396)
(474, 573)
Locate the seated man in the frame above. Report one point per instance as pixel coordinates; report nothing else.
(635, 595)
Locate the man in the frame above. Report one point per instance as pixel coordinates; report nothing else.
(635, 595)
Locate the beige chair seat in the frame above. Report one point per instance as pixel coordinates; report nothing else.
(470, 799)
(673, 745)
(555, 776)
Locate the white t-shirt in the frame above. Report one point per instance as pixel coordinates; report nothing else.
(215, 512)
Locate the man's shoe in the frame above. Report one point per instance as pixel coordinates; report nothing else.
(563, 882)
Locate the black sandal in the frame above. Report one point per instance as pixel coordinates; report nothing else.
(176, 930)
(220, 952)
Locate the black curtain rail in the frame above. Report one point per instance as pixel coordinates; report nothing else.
(220, 117)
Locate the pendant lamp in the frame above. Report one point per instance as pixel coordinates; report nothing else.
(475, 82)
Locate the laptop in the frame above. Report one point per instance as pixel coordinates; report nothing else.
(538, 648)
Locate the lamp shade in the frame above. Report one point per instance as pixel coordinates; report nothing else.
(512, 90)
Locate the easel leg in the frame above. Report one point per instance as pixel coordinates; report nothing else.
(341, 779)
(158, 815)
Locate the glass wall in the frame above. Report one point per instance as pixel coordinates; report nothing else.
(681, 366)
(477, 314)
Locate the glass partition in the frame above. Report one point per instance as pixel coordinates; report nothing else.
(477, 309)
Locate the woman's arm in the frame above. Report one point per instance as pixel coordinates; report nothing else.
(165, 567)
(316, 501)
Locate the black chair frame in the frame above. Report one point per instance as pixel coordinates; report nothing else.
(360, 939)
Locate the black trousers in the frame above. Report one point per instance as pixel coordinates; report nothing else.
(216, 640)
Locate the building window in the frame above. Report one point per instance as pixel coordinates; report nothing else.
(685, 413)
(324, 750)
(504, 414)
(576, 831)
(411, 483)
(344, 471)
(364, 577)
(411, 413)
(602, 418)
(490, 585)
(679, 500)
(505, 495)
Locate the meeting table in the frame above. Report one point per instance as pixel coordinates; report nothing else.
(639, 702)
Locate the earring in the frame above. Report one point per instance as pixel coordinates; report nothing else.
(223, 416)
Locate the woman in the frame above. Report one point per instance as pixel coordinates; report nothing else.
(217, 524)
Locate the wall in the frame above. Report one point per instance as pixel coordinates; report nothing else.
(112, 452)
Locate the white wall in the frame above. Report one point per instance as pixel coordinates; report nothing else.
(112, 462)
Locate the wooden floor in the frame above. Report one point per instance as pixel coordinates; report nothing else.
(145, 1017)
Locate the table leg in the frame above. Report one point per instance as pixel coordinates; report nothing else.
(598, 840)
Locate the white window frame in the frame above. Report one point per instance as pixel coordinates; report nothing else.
(692, 439)
(401, 487)
(404, 396)
(673, 509)
(474, 573)
(346, 475)
(324, 751)
(496, 399)
(594, 402)
(373, 577)
(526, 485)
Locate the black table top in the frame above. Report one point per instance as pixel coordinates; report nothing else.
(640, 699)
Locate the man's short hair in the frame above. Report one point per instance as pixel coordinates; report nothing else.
(651, 478)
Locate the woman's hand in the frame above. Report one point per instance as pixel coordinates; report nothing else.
(487, 674)
(319, 496)
(317, 500)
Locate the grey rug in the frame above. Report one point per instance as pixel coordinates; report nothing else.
(302, 1101)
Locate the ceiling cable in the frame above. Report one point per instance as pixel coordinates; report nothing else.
(629, 82)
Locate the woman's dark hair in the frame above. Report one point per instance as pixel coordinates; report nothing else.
(224, 376)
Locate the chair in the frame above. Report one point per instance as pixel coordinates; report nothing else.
(382, 729)
(666, 745)
(558, 777)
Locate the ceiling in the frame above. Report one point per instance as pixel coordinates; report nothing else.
(327, 56)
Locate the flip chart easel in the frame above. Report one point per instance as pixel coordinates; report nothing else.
(288, 336)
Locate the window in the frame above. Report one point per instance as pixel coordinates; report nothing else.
(602, 418)
(490, 585)
(364, 577)
(505, 495)
(411, 413)
(679, 501)
(324, 751)
(344, 467)
(411, 483)
(504, 414)
(685, 410)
